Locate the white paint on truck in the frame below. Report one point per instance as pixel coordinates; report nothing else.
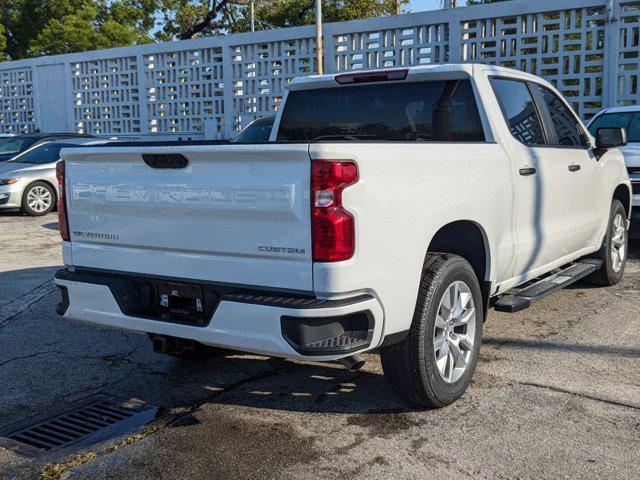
(264, 218)
(236, 214)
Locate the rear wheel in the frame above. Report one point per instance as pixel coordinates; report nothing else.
(434, 364)
(38, 199)
(614, 250)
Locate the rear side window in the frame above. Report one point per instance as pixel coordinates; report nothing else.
(435, 111)
(47, 153)
(13, 146)
(520, 111)
(568, 130)
(257, 131)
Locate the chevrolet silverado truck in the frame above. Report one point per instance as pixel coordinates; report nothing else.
(388, 211)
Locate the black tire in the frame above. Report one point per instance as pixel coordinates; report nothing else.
(42, 186)
(607, 275)
(410, 365)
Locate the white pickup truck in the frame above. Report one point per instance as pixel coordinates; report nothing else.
(389, 211)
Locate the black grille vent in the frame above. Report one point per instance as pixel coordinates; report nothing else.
(77, 424)
(636, 188)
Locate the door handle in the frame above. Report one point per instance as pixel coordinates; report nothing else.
(525, 172)
(161, 160)
(574, 168)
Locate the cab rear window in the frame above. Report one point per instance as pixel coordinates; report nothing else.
(434, 111)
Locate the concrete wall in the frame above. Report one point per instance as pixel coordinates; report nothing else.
(211, 87)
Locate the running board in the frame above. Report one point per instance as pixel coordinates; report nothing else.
(524, 298)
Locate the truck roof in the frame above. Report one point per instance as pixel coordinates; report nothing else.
(444, 70)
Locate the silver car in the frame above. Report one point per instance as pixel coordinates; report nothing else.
(28, 181)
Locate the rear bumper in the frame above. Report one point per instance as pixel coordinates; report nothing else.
(263, 324)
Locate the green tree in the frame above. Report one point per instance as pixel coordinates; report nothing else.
(192, 18)
(93, 27)
(482, 2)
(291, 13)
(3, 43)
(31, 28)
(45, 27)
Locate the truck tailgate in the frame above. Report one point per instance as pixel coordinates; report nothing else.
(236, 214)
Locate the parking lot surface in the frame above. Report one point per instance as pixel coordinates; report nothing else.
(556, 394)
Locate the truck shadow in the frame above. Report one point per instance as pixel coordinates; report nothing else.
(561, 346)
(72, 360)
(299, 387)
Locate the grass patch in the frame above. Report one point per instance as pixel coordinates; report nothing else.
(55, 470)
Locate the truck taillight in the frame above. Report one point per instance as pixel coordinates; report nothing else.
(333, 227)
(63, 221)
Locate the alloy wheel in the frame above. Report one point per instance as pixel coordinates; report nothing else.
(39, 199)
(454, 332)
(618, 243)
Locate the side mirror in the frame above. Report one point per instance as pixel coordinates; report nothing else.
(610, 137)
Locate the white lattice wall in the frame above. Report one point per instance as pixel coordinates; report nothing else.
(211, 87)
(262, 71)
(566, 47)
(183, 90)
(17, 110)
(417, 45)
(106, 96)
(628, 55)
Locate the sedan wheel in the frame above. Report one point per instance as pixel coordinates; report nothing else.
(38, 199)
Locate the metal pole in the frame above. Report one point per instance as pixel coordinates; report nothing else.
(253, 15)
(319, 47)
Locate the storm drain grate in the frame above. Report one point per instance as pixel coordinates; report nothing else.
(78, 423)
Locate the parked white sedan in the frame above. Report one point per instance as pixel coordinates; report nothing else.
(28, 181)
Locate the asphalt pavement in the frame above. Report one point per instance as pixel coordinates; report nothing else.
(556, 394)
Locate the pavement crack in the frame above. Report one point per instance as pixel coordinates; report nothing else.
(15, 308)
(578, 394)
(32, 355)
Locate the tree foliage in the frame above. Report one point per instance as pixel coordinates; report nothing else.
(3, 42)
(31, 28)
(482, 2)
(291, 13)
(44, 27)
(191, 18)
